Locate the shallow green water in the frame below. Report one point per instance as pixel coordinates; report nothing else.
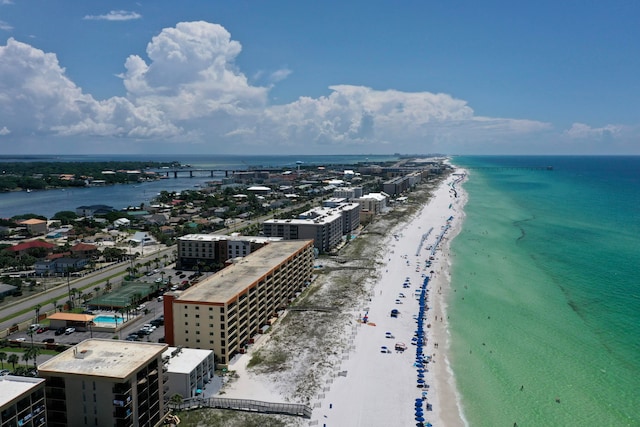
(546, 298)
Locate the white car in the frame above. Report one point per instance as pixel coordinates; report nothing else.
(69, 331)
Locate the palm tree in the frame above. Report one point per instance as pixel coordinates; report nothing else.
(37, 309)
(74, 293)
(3, 357)
(55, 305)
(107, 286)
(31, 353)
(13, 359)
(166, 257)
(97, 289)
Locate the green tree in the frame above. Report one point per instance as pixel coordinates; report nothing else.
(177, 399)
(13, 359)
(65, 217)
(32, 353)
(3, 357)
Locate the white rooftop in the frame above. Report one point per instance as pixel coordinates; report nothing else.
(103, 358)
(186, 360)
(12, 387)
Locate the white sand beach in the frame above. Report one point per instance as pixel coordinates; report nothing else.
(377, 388)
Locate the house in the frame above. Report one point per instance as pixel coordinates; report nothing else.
(142, 238)
(84, 250)
(60, 265)
(23, 248)
(121, 223)
(89, 211)
(35, 227)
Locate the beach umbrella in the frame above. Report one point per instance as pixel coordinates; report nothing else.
(420, 419)
(420, 381)
(420, 375)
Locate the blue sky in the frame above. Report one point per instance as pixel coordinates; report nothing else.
(301, 77)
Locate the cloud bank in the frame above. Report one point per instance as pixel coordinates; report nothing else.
(189, 89)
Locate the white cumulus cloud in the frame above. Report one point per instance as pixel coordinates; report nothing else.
(189, 88)
(37, 97)
(115, 15)
(4, 131)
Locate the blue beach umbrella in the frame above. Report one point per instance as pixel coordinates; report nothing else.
(420, 419)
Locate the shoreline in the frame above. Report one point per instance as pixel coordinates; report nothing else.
(363, 385)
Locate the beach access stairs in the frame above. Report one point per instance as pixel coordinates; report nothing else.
(294, 409)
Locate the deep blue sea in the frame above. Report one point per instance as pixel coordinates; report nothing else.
(49, 202)
(545, 312)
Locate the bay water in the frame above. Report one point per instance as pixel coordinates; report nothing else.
(545, 302)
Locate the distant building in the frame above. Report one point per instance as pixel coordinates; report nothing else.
(214, 250)
(22, 401)
(188, 370)
(225, 310)
(324, 225)
(374, 203)
(105, 383)
(35, 227)
(60, 265)
(89, 211)
(348, 193)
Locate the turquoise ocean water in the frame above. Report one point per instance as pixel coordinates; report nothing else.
(545, 312)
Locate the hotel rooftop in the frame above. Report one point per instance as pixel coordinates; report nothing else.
(103, 358)
(227, 283)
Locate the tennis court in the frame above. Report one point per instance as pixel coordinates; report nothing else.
(124, 295)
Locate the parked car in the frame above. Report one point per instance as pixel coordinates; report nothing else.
(40, 330)
(34, 327)
(4, 372)
(48, 340)
(160, 298)
(59, 331)
(69, 331)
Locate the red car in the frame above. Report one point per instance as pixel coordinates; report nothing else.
(40, 330)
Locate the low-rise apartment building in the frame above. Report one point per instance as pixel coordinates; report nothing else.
(187, 370)
(226, 309)
(105, 383)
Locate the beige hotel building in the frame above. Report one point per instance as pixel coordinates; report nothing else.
(105, 383)
(225, 310)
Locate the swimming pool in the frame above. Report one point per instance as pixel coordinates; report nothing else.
(108, 319)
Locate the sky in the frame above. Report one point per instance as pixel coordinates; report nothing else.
(326, 77)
